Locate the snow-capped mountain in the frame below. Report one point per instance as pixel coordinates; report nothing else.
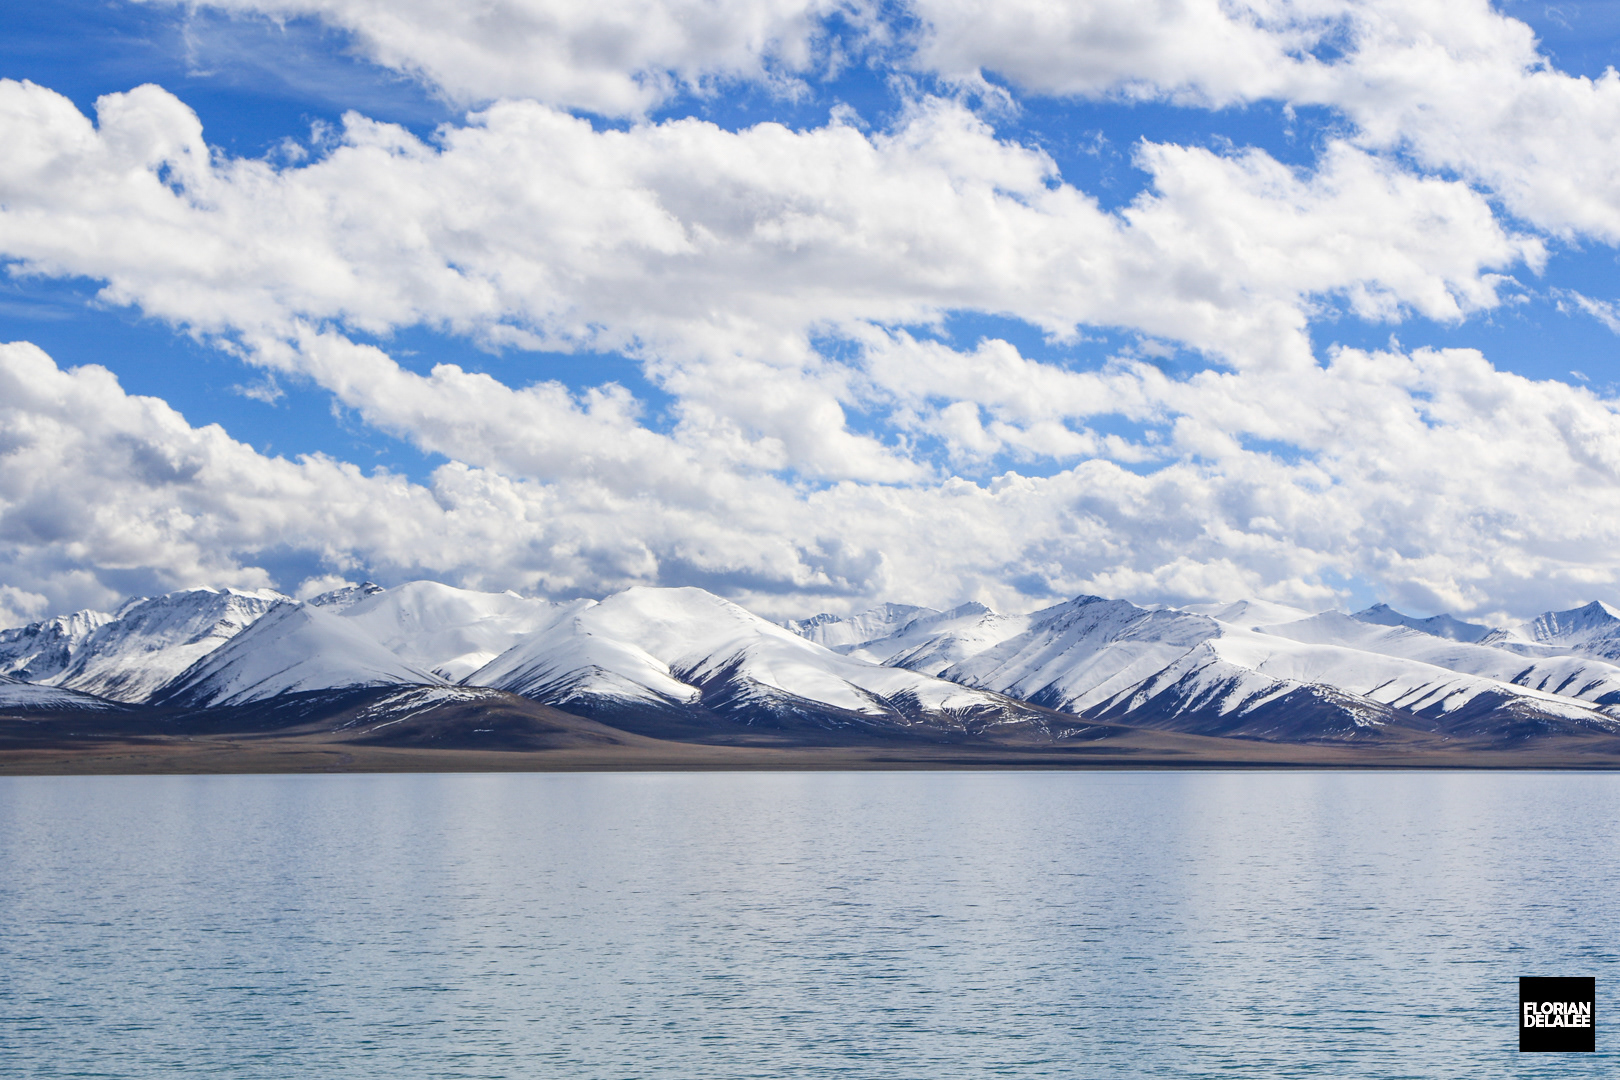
(1248, 612)
(1109, 659)
(292, 649)
(1439, 625)
(451, 631)
(685, 663)
(1593, 630)
(687, 651)
(339, 600)
(1434, 681)
(1566, 676)
(1230, 669)
(150, 641)
(932, 643)
(40, 650)
(834, 631)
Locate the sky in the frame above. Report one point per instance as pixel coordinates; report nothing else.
(813, 303)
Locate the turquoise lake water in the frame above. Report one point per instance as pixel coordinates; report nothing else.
(752, 925)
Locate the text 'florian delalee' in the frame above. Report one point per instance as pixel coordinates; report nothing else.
(1558, 1014)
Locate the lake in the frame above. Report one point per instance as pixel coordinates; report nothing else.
(749, 925)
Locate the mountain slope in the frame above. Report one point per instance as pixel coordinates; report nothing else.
(836, 631)
(1248, 613)
(340, 600)
(40, 650)
(30, 697)
(934, 642)
(1583, 679)
(152, 641)
(1382, 666)
(686, 651)
(1592, 630)
(293, 649)
(1326, 676)
(1438, 625)
(1109, 659)
(1083, 653)
(683, 663)
(451, 631)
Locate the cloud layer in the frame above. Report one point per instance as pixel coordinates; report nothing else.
(1457, 485)
(787, 287)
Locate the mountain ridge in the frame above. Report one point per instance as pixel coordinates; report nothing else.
(684, 663)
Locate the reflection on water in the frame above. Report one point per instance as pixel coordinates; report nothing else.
(721, 925)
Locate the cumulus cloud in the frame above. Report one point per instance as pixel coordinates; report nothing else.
(1207, 53)
(777, 282)
(1458, 86)
(18, 606)
(1462, 88)
(717, 255)
(1416, 473)
(614, 57)
(714, 254)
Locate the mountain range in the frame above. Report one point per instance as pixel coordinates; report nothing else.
(687, 665)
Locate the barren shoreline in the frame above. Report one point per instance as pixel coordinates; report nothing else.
(507, 733)
(161, 755)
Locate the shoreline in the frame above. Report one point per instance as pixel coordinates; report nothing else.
(176, 756)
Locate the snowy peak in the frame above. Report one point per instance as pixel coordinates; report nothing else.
(1246, 669)
(687, 649)
(1498, 671)
(1101, 619)
(293, 649)
(339, 600)
(153, 640)
(1444, 626)
(1112, 660)
(570, 663)
(834, 631)
(681, 626)
(1593, 629)
(1594, 616)
(933, 643)
(685, 663)
(452, 631)
(43, 649)
(627, 648)
(1250, 612)
(1080, 654)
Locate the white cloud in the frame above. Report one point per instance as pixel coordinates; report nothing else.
(615, 57)
(528, 224)
(1198, 52)
(265, 390)
(18, 606)
(1606, 312)
(1462, 88)
(1456, 485)
(1455, 84)
(622, 57)
(720, 258)
(715, 256)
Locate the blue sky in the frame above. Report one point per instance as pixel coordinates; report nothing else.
(1165, 420)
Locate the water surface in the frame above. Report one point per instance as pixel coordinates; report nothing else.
(756, 925)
